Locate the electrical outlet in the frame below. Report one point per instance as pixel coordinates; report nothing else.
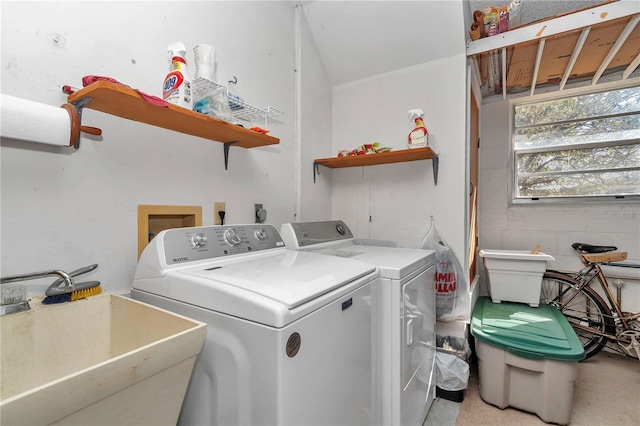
(261, 213)
(217, 207)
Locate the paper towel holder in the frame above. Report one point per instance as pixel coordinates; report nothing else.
(75, 118)
(29, 121)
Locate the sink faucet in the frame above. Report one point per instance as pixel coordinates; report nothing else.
(22, 305)
(68, 281)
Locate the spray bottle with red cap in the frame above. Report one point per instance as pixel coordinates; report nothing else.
(419, 137)
(177, 84)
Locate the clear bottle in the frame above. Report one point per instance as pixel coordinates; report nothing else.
(177, 84)
(204, 57)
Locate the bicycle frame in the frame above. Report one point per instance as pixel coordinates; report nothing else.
(581, 282)
(586, 276)
(597, 317)
(604, 284)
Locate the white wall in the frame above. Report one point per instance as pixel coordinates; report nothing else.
(315, 123)
(63, 208)
(554, 227)
(401, 198)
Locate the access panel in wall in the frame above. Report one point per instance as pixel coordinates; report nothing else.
(153, 219)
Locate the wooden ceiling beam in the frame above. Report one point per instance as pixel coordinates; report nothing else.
(574, 21)
(476, 82)
(537, 66)
(631, 68)
(504, 73)
(616, 47)
(574, 56)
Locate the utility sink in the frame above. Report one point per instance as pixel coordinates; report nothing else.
(106, 359)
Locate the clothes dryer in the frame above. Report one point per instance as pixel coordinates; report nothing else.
(288, 333)
(404, 316)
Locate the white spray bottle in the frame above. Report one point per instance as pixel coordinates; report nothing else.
(419, 137)
(177, 84)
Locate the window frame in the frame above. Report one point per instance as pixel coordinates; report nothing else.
(567, 93)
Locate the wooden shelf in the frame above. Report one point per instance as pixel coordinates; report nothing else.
(400, 156)
(122, 101)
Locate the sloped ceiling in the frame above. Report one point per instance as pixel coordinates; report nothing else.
(359, 39)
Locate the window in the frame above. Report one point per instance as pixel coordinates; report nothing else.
(579, 146)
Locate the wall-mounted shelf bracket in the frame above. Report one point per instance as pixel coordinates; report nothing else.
(316, 170)
(227, 145)
(79, 106)
(435, 161)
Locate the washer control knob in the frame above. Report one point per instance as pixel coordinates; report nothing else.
(231, 237)
(340, 229)
(198, 240)
(260, 234)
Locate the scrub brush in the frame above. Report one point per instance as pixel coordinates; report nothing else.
(82, 291)
(60, 294)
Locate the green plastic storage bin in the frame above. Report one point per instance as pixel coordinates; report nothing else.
(527, 358)
(533, 333)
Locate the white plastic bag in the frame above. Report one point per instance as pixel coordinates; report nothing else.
(452, 373)
(452, 288)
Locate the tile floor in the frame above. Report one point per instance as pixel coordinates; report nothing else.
(606, 392)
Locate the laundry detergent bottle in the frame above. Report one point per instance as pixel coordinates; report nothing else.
(177, 84)
(419, 137)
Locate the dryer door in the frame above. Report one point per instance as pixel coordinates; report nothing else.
(418, 347)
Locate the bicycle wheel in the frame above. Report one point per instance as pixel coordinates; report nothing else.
(585, 311)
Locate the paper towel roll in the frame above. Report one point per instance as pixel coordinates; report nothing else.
(478, 17)
(35, 122)
(476, 31)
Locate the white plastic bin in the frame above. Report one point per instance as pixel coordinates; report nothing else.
(527, 358)
(515, 275)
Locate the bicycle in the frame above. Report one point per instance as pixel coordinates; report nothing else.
(595, 321)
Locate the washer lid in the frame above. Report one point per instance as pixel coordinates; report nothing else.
(334, 238)
(290, 278)
(394, 263)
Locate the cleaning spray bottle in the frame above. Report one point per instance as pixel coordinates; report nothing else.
(177, 84)
(419, 137)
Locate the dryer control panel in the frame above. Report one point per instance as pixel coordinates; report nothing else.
(306, 234)
(183, 245)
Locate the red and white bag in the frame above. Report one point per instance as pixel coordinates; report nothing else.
(451, 286)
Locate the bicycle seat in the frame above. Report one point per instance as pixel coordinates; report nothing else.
(588, 248)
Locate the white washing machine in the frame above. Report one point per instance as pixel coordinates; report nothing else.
(289, 334)
(404, 316)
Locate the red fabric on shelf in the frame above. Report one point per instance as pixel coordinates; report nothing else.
(88, 79)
